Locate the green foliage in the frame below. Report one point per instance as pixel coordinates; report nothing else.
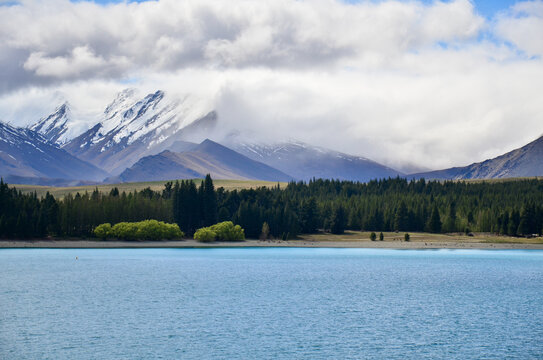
(103, 231)
(512, 208)
(205, 235)
(338, 220)
(143, 230)
(434, 224)
(406, 237)
(373, 237)
(224, 231)
(381, 236)
(227, 231)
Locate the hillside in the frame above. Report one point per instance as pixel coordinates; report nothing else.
(25, 154)
(304, 162)
(134, 127)
(206, 158)
(526, 161)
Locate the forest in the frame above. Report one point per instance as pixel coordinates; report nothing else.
(512, 208)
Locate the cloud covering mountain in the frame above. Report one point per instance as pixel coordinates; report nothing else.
(434, 83)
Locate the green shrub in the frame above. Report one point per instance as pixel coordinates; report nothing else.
(143, 230)
(205, 235)
(227, 231)
(224, 231)
(103, 231)
(406, 237)
(381, 236)
(373, 236)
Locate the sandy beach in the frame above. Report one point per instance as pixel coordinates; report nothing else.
(266, 243)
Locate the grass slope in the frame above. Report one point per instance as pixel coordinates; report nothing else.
(60, 192)
(356, 236)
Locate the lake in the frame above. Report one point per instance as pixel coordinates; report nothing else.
(270, 303)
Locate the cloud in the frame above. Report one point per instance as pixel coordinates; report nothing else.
(427, 83)
(523, 27)
(79, 62)
(75, 39)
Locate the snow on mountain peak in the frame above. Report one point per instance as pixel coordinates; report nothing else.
(129, 118)
(54, 128)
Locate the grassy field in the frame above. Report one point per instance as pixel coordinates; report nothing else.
(423, 237)
(60, 192)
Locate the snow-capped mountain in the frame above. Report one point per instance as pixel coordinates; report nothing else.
(54, 128)
(26, 153)
(304, 162)
(134, 127)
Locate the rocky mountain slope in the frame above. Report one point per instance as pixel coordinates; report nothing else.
(25, 153)
(523, 162)
(206, 158)
(303, 161)
(134, 127)
(54, 128)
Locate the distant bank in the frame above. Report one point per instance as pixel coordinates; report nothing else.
(389, 244)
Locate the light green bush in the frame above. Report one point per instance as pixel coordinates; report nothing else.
(227, 231)
(205, 235)
(103, 231)
(224, 231)
(143, 230)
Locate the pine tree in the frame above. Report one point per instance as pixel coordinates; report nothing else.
(209, 202)
(434, 224)
(338, 220)
(309, 216)
(401, 219)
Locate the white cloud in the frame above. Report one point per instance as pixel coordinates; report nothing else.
(80, 61)
(169, 34)
(394, 81)
(523, 27)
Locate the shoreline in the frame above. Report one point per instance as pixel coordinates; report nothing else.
(415, 245)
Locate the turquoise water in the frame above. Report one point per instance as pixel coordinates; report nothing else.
(270, 303)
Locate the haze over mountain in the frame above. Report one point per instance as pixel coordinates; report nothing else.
(522, 162)
(304, 162)
(208, 157)
(28, 156)
(152, 137)
(134, 127)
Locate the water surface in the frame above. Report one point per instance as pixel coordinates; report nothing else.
(270, 303)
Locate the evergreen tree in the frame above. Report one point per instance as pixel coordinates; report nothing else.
(338, 220)
(434, 224)
(514, 222)
(528, 224)
(401, 219)
(209, 202)
(451, 218)
(309, 216)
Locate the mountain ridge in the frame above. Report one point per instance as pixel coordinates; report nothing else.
(526, 161)
(207, 157)
(27, 154)
(134, 127)
(304, 161)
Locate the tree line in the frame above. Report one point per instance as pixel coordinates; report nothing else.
(510, 207)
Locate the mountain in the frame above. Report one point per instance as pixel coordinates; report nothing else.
(523, 162)
(207, 157)
(54, 127)
(303, 161)
(25, 153)
(134, 127)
